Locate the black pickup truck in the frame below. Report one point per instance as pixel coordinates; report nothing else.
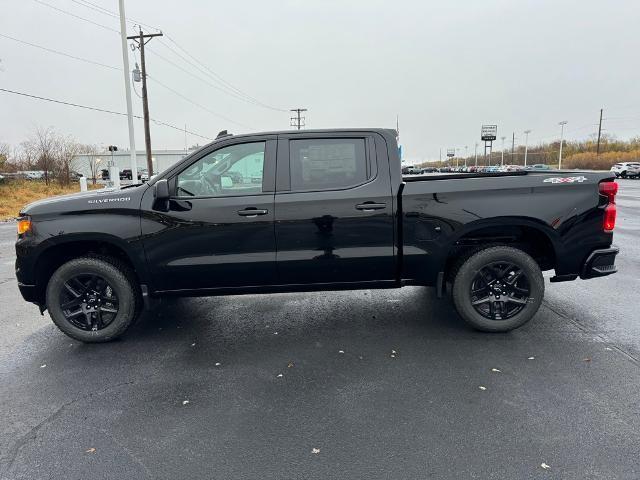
(312, 210)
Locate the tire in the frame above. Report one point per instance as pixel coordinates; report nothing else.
(120, 281)
(527, 275)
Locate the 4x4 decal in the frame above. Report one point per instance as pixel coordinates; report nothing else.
(565, 179)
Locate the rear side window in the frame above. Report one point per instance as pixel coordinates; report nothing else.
(327, 164)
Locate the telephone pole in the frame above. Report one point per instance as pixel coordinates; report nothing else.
(141, 40)
(298, 121)
(502, 157)
(599, 133)
(513, 147)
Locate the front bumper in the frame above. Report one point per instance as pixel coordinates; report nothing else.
(600, 263)
(30, 293)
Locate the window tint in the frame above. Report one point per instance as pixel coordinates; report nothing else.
(326, 164)
(232, 170)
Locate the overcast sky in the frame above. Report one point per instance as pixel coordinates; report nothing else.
(444, 67)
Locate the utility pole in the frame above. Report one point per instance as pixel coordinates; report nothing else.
(298, 121)
(526, 145)
(513, 145)
(441, 154)
(466, 149)
(476, 154)
(562, 124)
(502, 159)
(599, 133)
(140, 40)
(127, 90)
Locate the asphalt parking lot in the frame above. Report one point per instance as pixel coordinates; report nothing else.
(367, 384)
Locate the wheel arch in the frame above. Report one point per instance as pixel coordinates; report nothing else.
(60, 251)
(529, 234)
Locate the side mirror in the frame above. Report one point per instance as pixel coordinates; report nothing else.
(161, 195)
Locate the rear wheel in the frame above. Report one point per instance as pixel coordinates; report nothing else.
(498, 289)
(93, 299)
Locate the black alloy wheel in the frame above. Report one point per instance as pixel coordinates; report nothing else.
(88, 302)
(500, 290)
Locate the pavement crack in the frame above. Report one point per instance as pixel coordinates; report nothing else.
(603, 338)
(10, 458)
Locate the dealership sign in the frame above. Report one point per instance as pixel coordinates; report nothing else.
(489, 133)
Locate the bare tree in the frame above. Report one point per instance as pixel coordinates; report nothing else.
(66, 149)
(5, 152)
(91, 152)
(45, 141)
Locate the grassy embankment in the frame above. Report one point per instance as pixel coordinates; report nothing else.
(16, 194)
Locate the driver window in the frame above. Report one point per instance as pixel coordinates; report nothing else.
(232, 170)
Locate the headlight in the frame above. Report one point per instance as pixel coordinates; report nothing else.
(24, 225)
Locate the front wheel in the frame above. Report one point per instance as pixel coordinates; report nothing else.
(93, 299)
(498, 289)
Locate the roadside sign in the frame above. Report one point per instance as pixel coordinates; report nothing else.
(451, 152)
(489, 133)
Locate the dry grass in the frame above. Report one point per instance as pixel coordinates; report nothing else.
(16, 194)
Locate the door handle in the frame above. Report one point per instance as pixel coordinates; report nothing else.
(370, 206)
(252, 212)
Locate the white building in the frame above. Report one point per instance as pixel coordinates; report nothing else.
(162, 159)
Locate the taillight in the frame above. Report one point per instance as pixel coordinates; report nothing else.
(609, 222)
(609, 190)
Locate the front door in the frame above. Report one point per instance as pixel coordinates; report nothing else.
(333, 210)
(219, 231)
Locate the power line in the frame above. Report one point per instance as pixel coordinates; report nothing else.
(86, 60)
(220, 79)
(223, 88)
(119, 69)
(175, 92)
(111, 13)
(76, 16)
(230, 89)
(97, 109)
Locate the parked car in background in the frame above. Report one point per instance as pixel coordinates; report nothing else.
(143, 175)
(538, 166)
(626, 169)
(104, 173)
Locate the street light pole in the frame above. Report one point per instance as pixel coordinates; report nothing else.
(502, 159)
(476, 154)
(127, 90)
(562, 124)
(466, 149)
(526, 145)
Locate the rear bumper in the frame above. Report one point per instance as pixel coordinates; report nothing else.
(600, 263)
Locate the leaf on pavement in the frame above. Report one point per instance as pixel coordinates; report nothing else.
(43, 365)
(315, 450)
(531, 358)
(496, 370)
(185, 402)
(90, 450)
(586, 359)
(290, 365)
(482, 388)
(279, 375)
(545, 466)
(340, 351)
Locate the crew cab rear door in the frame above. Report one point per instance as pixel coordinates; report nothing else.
(333, 209)
(219, 231)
